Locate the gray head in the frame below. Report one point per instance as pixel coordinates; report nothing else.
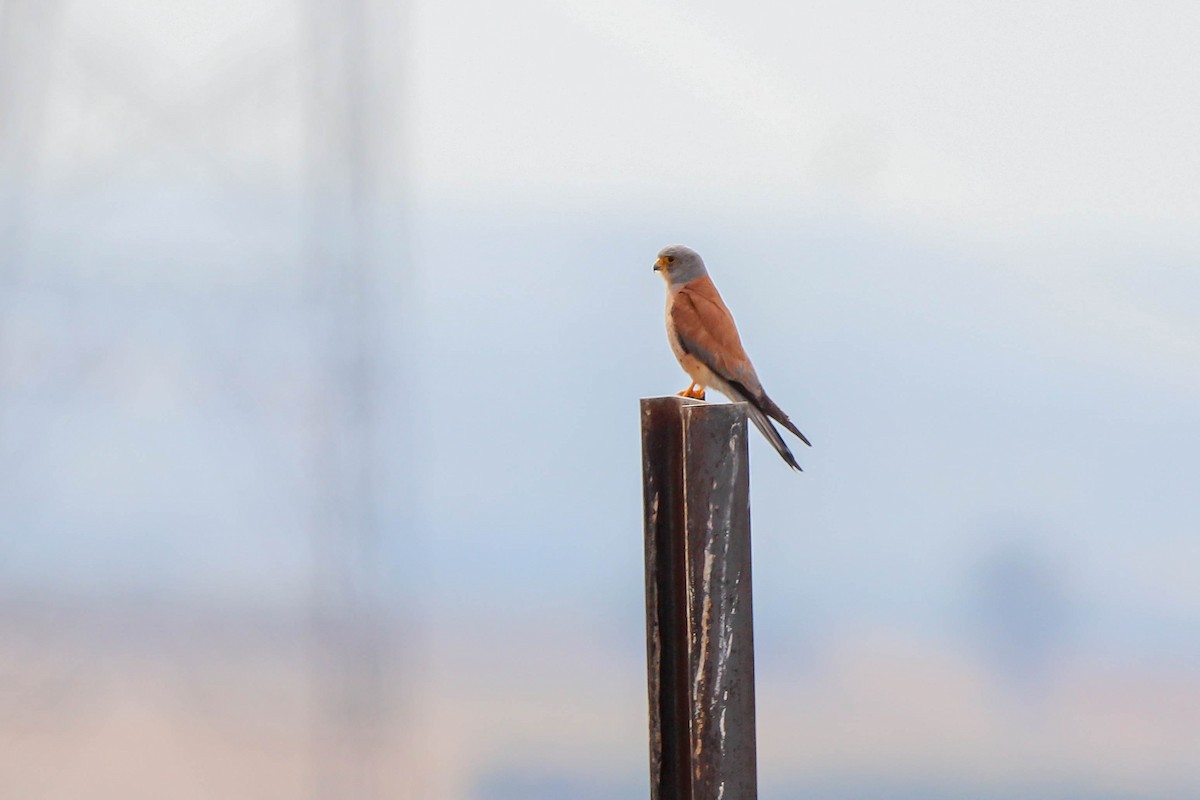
(679, 264)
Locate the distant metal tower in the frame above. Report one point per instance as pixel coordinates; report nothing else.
(340, 102)
(26, 34)
(19, 117)
(351, 713)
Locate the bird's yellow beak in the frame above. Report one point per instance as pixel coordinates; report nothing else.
(660, 264)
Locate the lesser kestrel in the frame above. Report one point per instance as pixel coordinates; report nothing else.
(706, 342)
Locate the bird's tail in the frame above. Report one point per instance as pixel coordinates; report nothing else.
(763, 423)
(769, 407)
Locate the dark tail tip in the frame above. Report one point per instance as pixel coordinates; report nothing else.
(786, 453)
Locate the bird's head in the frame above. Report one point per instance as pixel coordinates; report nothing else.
(679, 264)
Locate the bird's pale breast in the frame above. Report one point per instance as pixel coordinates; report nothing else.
(696, 369)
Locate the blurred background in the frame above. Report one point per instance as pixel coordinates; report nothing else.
(323, 326)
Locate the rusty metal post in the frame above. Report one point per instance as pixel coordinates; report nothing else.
(699, 621)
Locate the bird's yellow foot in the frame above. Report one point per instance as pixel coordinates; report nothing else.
(695, 391)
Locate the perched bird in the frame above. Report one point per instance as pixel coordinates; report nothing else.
(705, 340)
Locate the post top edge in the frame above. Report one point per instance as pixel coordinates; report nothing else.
(732, 410)
(692, 408)
(673, 400)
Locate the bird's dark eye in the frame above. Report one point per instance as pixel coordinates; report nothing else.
(670, 259)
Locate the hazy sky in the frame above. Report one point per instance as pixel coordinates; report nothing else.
(990, 213)
(961, 240)
(920, 214)
(983, 120)
(1057, 144)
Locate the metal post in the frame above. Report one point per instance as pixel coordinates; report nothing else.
(699, 621)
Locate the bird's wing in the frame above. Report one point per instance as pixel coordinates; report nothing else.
(706, 330)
